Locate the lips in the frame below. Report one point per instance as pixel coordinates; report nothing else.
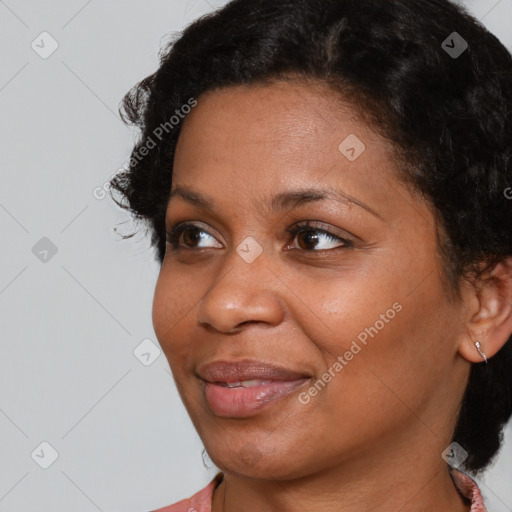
(230, 372)
(236, 389)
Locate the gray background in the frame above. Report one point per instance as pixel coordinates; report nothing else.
(72, 320)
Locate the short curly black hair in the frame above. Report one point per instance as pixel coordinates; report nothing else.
(446, 109)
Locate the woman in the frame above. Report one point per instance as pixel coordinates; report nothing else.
(327, 186)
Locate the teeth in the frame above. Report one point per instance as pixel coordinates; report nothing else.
(248, 383)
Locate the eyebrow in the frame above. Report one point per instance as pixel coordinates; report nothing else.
(279, 202)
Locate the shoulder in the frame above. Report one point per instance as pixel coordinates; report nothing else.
(469, 489)
(199, 502)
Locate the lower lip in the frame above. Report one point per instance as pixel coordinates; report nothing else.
(239, 402)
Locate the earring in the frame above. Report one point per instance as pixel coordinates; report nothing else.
(479, 348)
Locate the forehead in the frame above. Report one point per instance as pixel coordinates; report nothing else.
(258, 140)
(278, 113)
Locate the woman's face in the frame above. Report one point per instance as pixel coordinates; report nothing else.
(352, 306)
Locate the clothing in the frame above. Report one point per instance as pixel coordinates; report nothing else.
(199, 502)
(469, 489)
(202, 500)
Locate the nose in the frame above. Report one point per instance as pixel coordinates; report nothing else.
(243, 293)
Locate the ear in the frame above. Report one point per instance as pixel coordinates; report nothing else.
(489, 313)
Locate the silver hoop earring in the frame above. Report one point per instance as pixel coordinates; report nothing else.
(479, 348)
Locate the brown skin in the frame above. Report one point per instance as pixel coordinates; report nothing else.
(372, 438)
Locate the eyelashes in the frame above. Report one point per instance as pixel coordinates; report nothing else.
(196, 234)
(174, 235)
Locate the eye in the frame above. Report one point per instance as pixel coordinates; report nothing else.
(320, 239)
(192, 234)
(311, 238)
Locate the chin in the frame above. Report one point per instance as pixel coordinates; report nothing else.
(251, 461)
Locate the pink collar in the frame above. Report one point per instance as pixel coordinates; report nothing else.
(469, 489)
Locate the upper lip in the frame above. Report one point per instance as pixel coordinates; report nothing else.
(246, 369)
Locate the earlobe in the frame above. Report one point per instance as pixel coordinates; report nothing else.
(475, 350)
(490, 326)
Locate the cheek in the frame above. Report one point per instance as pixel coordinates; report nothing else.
(380, 343)
(351, 306)
(392, 371)
(162, 309)
(172, 303)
